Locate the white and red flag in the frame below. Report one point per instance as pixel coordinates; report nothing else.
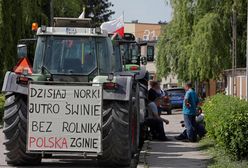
(114, 26)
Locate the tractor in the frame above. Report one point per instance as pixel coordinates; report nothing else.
(133, 62)
(72, 97)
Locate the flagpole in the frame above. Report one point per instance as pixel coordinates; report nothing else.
(123, 15)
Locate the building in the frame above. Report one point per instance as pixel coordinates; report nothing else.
(149, 33)
(236, 87)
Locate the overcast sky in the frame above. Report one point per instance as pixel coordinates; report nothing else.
(150, 11)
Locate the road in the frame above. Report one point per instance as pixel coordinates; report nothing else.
(171, 154)
(70, 161)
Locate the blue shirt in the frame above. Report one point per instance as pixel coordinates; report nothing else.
(193, 100)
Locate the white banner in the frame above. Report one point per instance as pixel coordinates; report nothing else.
(64, 118)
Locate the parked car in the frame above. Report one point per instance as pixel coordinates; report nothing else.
(176, 96)
(165, 104)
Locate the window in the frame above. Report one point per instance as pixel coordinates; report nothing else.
(104, 58)
(39, 54)
(117, 58)
(150, 53)
(73, 55)
(130, 51)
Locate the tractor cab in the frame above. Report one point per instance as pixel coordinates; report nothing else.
(130, 52)
(71, 48)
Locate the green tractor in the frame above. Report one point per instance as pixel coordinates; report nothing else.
(72, 97)
(134, 63)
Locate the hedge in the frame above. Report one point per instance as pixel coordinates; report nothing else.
(227, 123)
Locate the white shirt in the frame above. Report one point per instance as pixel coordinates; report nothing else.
(152, 109)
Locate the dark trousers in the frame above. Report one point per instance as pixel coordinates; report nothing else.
(201, 131)
(156, 127)
(190, 124)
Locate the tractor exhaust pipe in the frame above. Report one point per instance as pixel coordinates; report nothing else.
(51, 13)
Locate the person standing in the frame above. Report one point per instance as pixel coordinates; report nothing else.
(190, 104)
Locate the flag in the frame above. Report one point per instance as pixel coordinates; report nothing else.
(114, 26)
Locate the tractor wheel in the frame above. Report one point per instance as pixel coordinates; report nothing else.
(143, 113)
(116, 136)
(15, 131)
(135, 120)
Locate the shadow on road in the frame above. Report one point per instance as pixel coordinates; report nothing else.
(66, 163)
(175, 155)
(171, 147)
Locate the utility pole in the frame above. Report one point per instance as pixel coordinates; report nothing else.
(51, 13)
(234, 49)
(247, 56)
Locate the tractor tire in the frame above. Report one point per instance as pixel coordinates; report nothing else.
(15, 131)
(116, 134)
(135, 120)
(143, 113)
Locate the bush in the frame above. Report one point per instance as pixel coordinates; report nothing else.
(227, 123)
(218, 157)
(1, 108)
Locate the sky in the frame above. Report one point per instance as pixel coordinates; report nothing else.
(147, 11)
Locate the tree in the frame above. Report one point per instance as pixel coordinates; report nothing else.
(17, 16)
(65, 8)
(1, 44)
(175, 41)
(11, 30)
(99, 11)
(209, 52)
(196, 44)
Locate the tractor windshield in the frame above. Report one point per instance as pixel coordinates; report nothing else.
(72, 55)
(130, 51)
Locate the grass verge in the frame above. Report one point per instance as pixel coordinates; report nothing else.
(220, 159)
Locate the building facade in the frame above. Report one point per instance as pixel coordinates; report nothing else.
(149, 33)
(236, 82)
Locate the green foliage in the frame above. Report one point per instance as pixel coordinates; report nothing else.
(1, 43)
(220, 159)
(16, 17)
(99, 10)
(1, 108)
(196, 43)
(226, 119)
(174, 44)
(209, 53)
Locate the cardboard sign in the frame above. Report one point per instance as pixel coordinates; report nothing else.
(64, 118)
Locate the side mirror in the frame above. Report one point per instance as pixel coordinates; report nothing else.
(22, 50)
(143, 60)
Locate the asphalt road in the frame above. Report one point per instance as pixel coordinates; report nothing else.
(70, 161)
(172, 154)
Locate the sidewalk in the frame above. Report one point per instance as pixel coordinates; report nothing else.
(172, 154)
